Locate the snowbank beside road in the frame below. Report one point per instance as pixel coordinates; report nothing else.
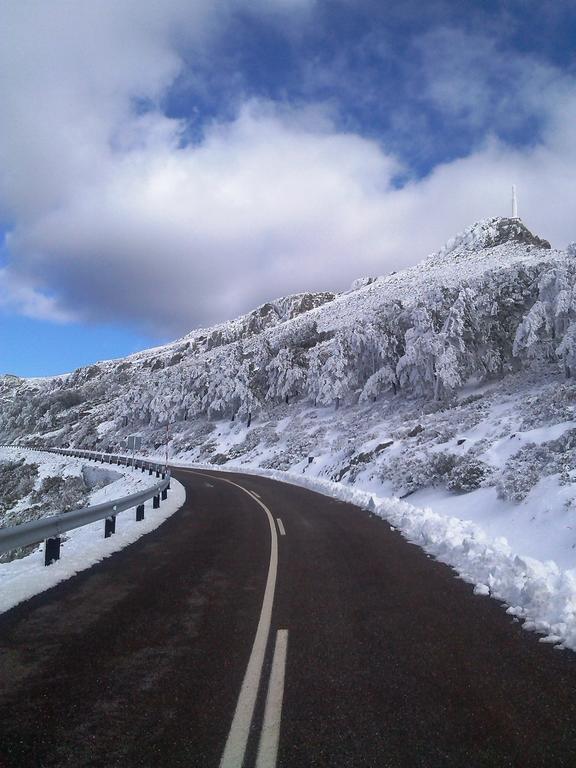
(86, 546)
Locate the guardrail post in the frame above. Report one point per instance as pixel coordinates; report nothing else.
(156, 502)
(157, 473)
(51, 550)
(149, 470)
(109, 526)
(140, 511)
(164, 494)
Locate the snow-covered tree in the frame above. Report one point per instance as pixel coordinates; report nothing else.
(416, 369)
(383, 380)
(220, 398)
(331, 374)
(566, 350)
(548, 318)
(285, 376)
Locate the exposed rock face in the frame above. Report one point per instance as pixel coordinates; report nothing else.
(491, 233)
(361, 282)
(292, 306)
(508, 230)
(266, 316)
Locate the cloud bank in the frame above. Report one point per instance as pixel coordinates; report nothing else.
(115, 215)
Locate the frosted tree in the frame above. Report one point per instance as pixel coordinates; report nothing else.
(383, 380)
(285, 376)
(416, 369)
(220, 397)
(337, 376)
(549, 317)
(566, 350)
(245, 392)
(533, 332)
(457, 347)
(363, 345)
(447, 372)
(258, 357)
(193, 387)
(375, 344)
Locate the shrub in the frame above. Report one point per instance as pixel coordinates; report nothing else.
(16, 481)
(468, 474)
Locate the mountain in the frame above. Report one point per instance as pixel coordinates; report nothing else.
(471, 311)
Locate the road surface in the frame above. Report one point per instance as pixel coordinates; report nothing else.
(265, 625)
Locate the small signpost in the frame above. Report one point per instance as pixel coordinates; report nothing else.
(134, 444)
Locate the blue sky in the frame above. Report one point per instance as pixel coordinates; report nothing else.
(169, 166)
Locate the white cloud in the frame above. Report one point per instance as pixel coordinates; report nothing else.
(24, 298)
(114, 220)
(475, 80)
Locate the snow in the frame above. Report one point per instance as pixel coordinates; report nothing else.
(510, 445)
(540, 527)
(86, 546)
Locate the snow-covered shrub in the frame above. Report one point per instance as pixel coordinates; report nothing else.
(281, 461)
(533, 462)
(16, 482)
(410, 473)
(207, 450)
(442, 465)
(60, 494)
(517, 479)
(468, 474)
(553, 405)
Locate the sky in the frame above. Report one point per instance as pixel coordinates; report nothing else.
(167, 165)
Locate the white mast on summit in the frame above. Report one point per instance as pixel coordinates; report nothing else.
(514, 203)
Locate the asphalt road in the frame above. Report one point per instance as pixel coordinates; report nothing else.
(197, 646)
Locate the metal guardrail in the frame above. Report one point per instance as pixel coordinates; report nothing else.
(49, 529)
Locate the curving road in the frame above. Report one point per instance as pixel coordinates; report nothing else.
(265, 625)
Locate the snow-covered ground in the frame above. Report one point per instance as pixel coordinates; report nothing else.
(83, 547)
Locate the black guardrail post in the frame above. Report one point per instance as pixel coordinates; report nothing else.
(140, 512)
(156, 502)
(109, 526)
(52, 550)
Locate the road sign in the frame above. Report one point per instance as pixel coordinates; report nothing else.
(134, 442)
